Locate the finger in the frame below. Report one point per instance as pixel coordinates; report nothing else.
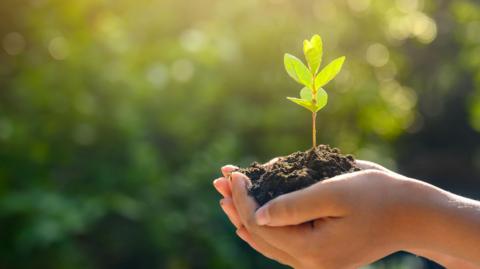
(231, 212)
(228, 169)
(266, 250)
(245, 236)
(245, 205)
(223, 186)
(323, 199)
(287, 239)
(261, 246)
(370, 165)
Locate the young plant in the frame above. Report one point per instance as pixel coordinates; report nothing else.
(312, 97)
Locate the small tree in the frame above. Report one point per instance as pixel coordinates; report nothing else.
(312, 97)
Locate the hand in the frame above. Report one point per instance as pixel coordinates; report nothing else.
(344, 222)
(273, 241)
(354, 239)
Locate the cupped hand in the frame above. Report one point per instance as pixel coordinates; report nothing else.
(344, 222)
(297, 235)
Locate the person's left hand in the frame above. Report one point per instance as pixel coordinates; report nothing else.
(296, 243)
(337, 238)
(293, 245)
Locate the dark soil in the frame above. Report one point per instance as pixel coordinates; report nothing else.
(297, 171)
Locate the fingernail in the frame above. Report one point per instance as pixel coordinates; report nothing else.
(262, 217)
(231, 166)
(215, 181)
(228, 168)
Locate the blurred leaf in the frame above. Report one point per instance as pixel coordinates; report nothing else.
(329, 72)
(313, 51)
(297, 70)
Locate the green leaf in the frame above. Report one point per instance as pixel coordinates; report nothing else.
(329, 72)
(306, 94)
(313, 51)
(322, 99)
(305, 103)
(297, 70)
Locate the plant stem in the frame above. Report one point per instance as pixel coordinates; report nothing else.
(314, 114)
(314, 129)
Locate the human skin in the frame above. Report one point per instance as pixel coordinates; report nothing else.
(355, 219)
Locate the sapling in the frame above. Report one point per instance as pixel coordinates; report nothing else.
(312, 97)
(302, 168)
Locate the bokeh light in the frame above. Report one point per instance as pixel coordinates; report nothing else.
(377, 55)
(14, 43)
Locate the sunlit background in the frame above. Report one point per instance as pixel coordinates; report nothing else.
(116, 115)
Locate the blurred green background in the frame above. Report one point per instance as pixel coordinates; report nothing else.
(116, 115)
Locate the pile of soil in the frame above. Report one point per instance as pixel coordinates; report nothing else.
(297, 171)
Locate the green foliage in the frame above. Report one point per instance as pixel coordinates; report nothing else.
(313, 50)
(313, 96)
(297, 70)
(307, 97)
(329, 72)
(321, 98)
(302, 102)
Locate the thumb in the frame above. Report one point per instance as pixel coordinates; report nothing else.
(317, 201)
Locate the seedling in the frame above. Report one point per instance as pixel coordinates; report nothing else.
(312, 97)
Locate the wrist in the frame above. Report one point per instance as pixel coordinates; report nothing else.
(417, 212)
(432, 219)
